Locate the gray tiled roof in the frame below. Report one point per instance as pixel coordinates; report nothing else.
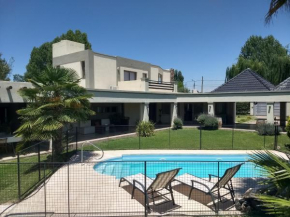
(284, 85)
(247, 80)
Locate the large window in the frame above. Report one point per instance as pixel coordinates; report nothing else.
(129, 76)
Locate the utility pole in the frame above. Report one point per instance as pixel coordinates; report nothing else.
(202, 84)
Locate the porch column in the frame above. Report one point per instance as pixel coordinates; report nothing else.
(288, 109)
(144, 112)
(173, 112)
(283, 114)
(210, 108)
(251, 108)
(270, 112)
(234, 112)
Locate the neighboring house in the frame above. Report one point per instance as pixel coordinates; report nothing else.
(250, 81)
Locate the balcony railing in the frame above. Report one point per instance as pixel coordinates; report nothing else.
(161, 85)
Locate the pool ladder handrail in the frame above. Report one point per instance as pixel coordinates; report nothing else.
(97, 147)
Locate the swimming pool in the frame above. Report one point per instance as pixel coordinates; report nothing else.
(197, 164)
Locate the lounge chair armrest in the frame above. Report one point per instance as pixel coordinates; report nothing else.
(193, 181)
(141, 184)
(210, 175)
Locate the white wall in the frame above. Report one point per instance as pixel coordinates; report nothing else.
(66, 47)
(154, 73)
(155, 70)
(105, 72)
(166, 76)
(136, 85)
(132, 110)
(12, 95)
(77, 67)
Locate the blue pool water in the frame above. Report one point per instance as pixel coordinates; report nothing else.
(198, 165)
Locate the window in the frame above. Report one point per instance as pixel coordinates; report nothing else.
(159, 78)
(144, 75)
(129, 76)
(83, 64)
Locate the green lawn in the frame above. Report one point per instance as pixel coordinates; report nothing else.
(244, 118)
(29, 176)
(189, 138)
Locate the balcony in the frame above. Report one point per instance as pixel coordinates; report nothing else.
(148, 86)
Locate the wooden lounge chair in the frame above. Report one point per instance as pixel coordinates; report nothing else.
(155, 186)
(208, 187)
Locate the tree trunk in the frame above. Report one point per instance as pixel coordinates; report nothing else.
(57, 144)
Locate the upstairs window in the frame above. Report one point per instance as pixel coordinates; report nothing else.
(129, 76)
(144, 75)
(83, 65)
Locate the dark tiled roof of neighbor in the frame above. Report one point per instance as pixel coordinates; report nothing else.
(284, 85)
(246, 81)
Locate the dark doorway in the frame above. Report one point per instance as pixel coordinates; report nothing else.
(187, 112)
(152, 112)
(197, 109)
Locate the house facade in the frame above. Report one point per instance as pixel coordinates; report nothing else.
(126, 91)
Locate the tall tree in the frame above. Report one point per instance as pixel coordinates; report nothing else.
(266, 56)
(41, 57)
(5, 68)
(275, 7)
(55, 101)
(18, 78)
(180, 79)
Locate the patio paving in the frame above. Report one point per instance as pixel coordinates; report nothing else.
(94, 194)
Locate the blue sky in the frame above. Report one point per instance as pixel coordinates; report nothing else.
(200, 38)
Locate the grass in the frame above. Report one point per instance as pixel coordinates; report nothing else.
(29, 176)
(244, 118)
(189, 139)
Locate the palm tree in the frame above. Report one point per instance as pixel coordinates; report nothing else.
(276, 193)
(55, 101)
(276, 5)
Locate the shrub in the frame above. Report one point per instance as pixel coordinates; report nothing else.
(209, 122)
(145, 128)
(243, 108)
(177, 123)
(201, 118)
(267, 129)
(287, 128)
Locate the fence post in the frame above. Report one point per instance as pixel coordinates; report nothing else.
(44, 188)
(233, 133)
(169, 137)
(275, 138)
(200, 137)
(18, 175)
(264, 141)
(145, 175)
(67, 145)
(218, 204)
(76, 139)
(39, 175)
(68, 202)
(139, 139)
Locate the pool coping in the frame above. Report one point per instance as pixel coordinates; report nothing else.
(118, 153)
